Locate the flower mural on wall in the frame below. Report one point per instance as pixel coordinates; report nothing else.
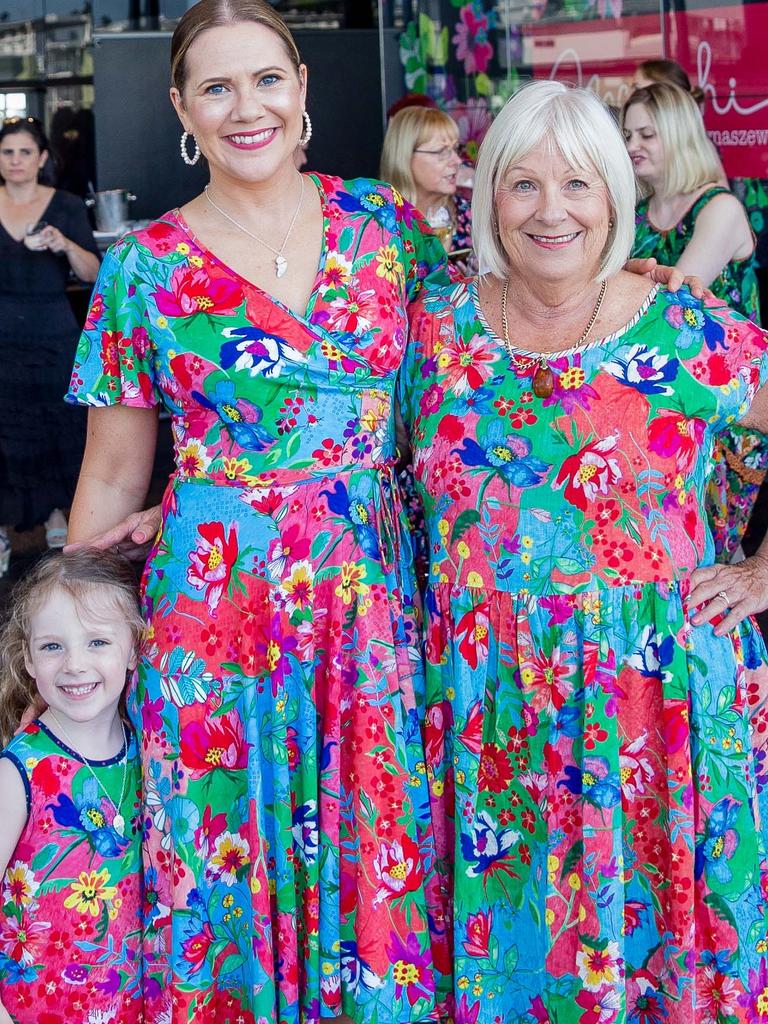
(473, 119)
(471, 38)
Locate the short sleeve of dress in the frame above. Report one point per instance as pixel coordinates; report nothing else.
(427, 262)
(114, 362)
(732, 363)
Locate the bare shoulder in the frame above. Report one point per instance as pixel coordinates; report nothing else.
(624, 296)
(13, 810)
(723, 208)
(11, 786)
(630, 290)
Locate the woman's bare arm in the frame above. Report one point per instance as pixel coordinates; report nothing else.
(116, 470)
(757, 417)
(721, 234)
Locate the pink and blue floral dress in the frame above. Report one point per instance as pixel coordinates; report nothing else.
(289, 857)
(741, 456)
(71, 902)
(591, 761)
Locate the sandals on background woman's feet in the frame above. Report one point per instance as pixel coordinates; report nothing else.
(56, 529)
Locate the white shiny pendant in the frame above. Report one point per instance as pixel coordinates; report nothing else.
(118, 824)
(281, 265)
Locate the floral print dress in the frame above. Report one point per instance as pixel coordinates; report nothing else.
(589, 752)
(462, 236)
(288, 853)
(741, 456)
(70, 916)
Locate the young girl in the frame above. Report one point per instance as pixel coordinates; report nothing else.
(70, 903)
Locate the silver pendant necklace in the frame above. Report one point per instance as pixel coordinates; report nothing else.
(118, 822)
(281, 263)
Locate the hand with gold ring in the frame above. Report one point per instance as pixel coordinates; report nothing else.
(731, 591)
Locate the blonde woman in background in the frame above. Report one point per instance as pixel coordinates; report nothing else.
(689, 220)
(421, 158)
(670, 72)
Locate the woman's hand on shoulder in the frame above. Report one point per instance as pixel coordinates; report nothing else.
(732, 591)
(131, 537)
(670, 277)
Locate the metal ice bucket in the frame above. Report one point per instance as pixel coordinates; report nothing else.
(111, 208)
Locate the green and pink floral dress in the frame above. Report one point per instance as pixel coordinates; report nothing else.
(71, 904)
(741, 456)
(589, 752)
(289, 857)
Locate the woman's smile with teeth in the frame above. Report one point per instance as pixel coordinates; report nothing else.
(248, 140)
(555, 238)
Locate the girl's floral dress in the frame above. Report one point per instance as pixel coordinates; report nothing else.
(70, 923)
(589, 750)
(288, 854)
(741, 456)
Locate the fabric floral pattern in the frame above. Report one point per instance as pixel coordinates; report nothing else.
(462, 236)
(589, 751)
(289, 860)
(70, 923)
(741, 456)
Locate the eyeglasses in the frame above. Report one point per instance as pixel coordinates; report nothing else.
(444, 153)
(8, 121)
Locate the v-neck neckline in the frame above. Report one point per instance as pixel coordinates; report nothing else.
(304, 318)
(20, 241)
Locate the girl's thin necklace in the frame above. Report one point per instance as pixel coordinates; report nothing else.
(118, 822)
(281, 263)
(543, 378)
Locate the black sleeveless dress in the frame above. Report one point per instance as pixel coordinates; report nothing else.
(41, 437)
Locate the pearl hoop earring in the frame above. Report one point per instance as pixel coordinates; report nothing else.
(306, 135)
(190, 161)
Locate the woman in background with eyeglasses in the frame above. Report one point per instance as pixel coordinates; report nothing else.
(421, 158)
(44, 234)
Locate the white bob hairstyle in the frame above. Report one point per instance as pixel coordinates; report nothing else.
(577, 124)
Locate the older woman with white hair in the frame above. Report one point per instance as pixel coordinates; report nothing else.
(588, 746)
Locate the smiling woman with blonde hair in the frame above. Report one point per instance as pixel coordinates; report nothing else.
(589, 755)
(287, 843)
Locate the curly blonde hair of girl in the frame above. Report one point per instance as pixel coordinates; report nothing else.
(101, 580)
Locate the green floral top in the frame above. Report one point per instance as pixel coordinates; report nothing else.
(737, 282)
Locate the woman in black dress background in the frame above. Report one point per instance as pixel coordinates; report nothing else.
(44, 233)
